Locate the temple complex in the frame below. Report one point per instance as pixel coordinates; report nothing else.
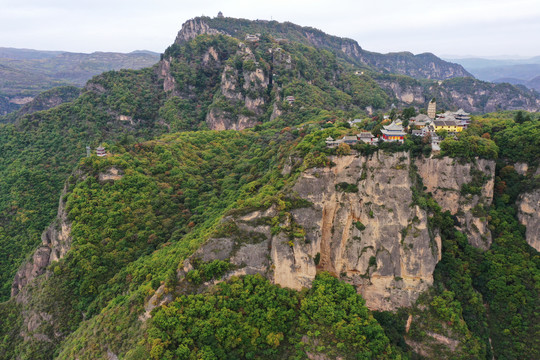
(393, 132)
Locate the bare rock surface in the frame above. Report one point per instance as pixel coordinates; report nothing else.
(444, 179)
(370, 237)
(111, 174)
(55, 243)
(193, 28)
(240, 89)
(529, 215)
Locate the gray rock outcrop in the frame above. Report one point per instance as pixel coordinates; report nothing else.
(472, 95)
(406, 93)
(55, 243)
(240, 89)
(529, 215)
(56, 239)
(361, 226)
(374, 237)
(445, 178)
(193, 28)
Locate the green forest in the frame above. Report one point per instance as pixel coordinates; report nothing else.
(123, 287)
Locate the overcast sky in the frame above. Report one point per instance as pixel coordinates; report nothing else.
(451, 27)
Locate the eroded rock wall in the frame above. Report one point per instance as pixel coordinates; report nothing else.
(361, 226)
(445, 179)
(193, 28)
(374, 237)
(408, 94)
(41, 318)
(241, 90)
(55, 242)
(529, 215)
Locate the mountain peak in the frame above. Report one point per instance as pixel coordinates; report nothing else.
(422, 66)
(193, 28)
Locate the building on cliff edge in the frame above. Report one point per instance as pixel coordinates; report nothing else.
(393, 132)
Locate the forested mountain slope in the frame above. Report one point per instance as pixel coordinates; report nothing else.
(187, 242)
(135, 216)
(424, 66)
(417, 87)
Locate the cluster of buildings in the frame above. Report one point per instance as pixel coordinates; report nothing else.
(422, 125)
(452, 122)
(365, 137)
(394, 132)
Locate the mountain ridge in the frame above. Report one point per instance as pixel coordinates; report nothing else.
(424, 65)
(514, 71)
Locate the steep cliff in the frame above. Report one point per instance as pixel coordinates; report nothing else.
(369, 232)
(466, 190)
(43, 321)
(55, 243)
(407, 92)
(455, 88)
(56, 239)
(421, 66)
(356, 221)
(6, 107)
(44, 101)
(193, 28)
(243, 91)
(529, 215)
(426, 66)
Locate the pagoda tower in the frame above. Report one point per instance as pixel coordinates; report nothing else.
(432, 109)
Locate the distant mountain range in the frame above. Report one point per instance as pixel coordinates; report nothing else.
(24, 73)
(514, 71)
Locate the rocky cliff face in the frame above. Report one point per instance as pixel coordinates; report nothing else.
(6, 106)
(360, 226)
(358, 222)
(56, 239)
(406, 93)
(484, 97)
(164, 72)
(40, 316)
(374, 237)
(448, 181)
(193, 28)
(472, 95)
(425, 66)
(421, 66)
(55, 242)
(529, 215)
(49, 99)
(243, 90)
(44, 101)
